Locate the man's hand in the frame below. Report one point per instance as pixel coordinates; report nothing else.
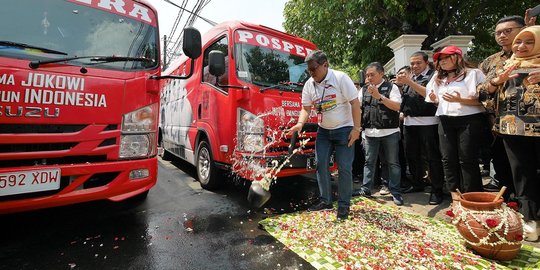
(403, 79)
(373, 91)
(353, 136)
(295, 128)
(529, 21)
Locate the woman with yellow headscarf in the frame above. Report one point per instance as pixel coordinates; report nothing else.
(518, 106)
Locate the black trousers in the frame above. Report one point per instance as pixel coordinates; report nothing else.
(422, 142)
(359, 159)
(459, 142)
(501, 165)
(524, 156)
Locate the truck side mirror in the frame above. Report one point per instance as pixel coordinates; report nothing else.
(362, 78)
(216, 63)
(191, 44)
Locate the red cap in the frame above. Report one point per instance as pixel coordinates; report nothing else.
(448, 50)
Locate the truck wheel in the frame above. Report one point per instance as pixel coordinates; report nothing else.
(207, 172)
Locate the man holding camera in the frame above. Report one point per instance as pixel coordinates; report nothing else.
(420, 129)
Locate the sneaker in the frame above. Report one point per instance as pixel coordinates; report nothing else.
(529, 229)
(320, 206)
(362, 192)
(343, 212)
(384, 190)
(493, 185)
(357, 179)
(398, 199)
(435, 198)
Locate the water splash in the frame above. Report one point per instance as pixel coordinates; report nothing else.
(261, 166)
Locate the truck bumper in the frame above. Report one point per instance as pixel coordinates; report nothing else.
(251, 167)
(115, 181)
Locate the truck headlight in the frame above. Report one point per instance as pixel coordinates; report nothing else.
(250, 133)
(141, 120)
(138, 134)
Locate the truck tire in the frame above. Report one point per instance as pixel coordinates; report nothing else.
(166, 155)
(207, 172)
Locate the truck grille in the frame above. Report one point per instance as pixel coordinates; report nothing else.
(309, 130)
(15, 148)
(53, 161)
(24, 129)
(30, 145)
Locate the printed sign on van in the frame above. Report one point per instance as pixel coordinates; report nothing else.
(127, 8)
(263, 40)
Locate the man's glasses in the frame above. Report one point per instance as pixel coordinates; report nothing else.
(506, 31)
(313, 68)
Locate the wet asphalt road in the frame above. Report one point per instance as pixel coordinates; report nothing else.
(178, 226)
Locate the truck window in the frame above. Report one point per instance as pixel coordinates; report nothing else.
(222, 45)
(262, 60)
(78, 30)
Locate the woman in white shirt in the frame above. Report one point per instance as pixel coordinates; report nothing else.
(453, 87)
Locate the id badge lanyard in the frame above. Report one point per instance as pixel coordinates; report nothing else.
(319, 106)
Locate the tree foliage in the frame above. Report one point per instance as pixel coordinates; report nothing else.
(356, 32)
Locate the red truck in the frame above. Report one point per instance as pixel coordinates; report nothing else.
(79, 101)
(230, 116)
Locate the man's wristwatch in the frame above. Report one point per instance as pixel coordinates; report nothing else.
(381, 99)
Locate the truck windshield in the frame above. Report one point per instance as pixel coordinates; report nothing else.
(266, 67)
(52, 29)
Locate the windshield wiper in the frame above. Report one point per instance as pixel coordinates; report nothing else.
(23, 45)
(37, 63)
(280, 84)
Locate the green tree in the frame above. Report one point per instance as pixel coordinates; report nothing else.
(264, 64)
(356, 32)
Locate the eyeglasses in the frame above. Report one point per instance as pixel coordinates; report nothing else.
(313, 68)
(506, 31)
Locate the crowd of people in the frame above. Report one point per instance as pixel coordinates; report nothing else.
(433, 124)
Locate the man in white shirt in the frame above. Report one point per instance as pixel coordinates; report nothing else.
(380, 102)
(421, 129)
(334, 97)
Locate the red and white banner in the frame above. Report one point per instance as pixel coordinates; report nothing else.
(267, 41)
(126, 8)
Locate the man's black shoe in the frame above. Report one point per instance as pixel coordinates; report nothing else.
(407, 189)
(343, 212)
(362, 192)
(357, 179)
(410, 189)
(493, 185)
(435, 198)
(320, 206)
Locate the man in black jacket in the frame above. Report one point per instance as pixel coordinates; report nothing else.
(420, 129)
(380, 101)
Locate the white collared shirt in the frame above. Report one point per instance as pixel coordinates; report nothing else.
(466, 88)
(339, 91)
